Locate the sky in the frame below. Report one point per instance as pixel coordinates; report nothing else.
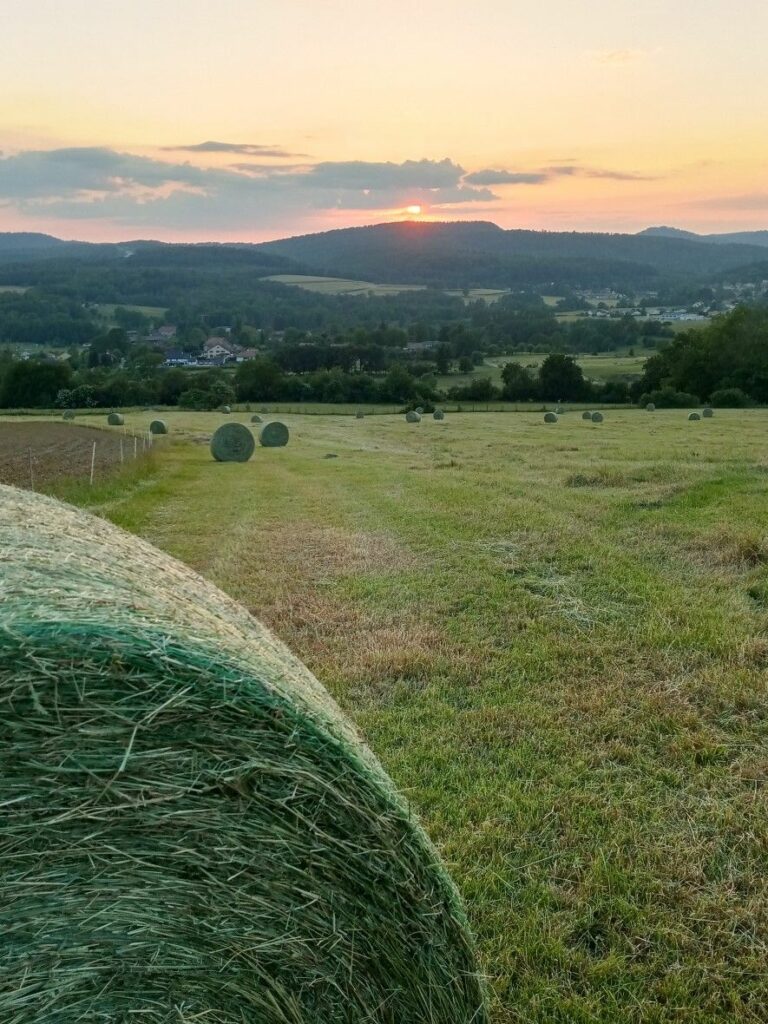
(255, 119)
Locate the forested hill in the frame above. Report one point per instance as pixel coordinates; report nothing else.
(468, 254)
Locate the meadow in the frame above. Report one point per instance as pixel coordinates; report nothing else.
(555, 638)
(602, 367)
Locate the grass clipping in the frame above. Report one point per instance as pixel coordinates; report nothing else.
(191, 829)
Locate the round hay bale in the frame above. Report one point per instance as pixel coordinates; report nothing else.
(225, 409)
(650, 407)
(274, 435)
(359, 415)
(232, 442)
(707, 412)
(597, 417)
(412, 416)
(438, 414)
(256, 418)
(189, 820)
(115, 419)
(550, 417)
(693, 416)
(586, 415)
(68, 414)
(419, 410)
(558, 411)
(158, 427)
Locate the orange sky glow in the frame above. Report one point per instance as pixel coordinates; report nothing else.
(243, 121)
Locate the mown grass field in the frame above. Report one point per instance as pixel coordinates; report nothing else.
(600, 367)
(556, 640)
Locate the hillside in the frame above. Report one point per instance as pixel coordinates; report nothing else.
(729, 238)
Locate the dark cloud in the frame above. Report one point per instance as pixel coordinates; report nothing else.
(139, 190)
(238, 148)
(491, 177)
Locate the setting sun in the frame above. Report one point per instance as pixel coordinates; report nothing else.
(415, 210)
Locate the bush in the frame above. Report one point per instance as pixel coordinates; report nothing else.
(668, 398)
(729, 398)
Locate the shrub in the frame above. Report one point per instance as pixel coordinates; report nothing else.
(729, 398)
(668, 398)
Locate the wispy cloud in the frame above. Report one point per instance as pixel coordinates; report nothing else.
(577, 171)
(547, 174)
(238, 148)
(499, 177)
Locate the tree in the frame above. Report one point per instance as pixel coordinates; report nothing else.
(562, 379)
(34, 384)
(519, 385)
(258, 380)
(398, 385)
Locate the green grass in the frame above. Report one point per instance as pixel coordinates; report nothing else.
(107, 309)
(601, 367)
(342, 286)
(556, 640)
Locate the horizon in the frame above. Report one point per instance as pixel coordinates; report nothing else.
(296, 119)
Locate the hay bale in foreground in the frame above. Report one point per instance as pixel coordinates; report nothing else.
(707, 412)
(68, 414)
(189, 821)
(650, 407)
(693, 416)
(597, 417)
(158, 427)
(274, 435)
(115, 419)
(550, 417)
(438, 414)
(232, 442)
(256, 418)
(412, 416)
(586, 415)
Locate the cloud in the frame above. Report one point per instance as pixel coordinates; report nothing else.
(239, 148)
(491, 177)
(574, 170)
(102, 183)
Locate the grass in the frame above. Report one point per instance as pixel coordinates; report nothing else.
(107, 310)
(342, 286)
(600, 367)
(555, 638)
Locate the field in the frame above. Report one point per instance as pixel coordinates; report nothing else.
(556, 640)
(107, 310)
(342, 286)
(601, 367)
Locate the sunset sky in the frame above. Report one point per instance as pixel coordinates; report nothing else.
(253, 119)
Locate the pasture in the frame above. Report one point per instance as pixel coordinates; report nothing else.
(602, 367)
(555, 637)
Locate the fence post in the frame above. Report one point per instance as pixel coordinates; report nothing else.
(93, 461)
(31, 473)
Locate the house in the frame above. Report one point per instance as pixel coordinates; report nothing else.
(246, 353)
(219, 348)
(163, 334)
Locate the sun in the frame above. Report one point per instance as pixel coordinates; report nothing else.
(415, 210)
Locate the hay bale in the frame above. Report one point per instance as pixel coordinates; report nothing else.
(158, 427)
(274, 435)
(68, 414)
(650, 407)
(232, 442)
(419, 410)
(438, 414)
(412, 416)
(550, 417)
(586, 415)
(558, 411)
(693, 416)
(191, 827)
(597, 417)
(707, 412)
(359, 415)
(115, 419)
(225, 409)
(256, 418)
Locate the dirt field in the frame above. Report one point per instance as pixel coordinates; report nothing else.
(36, 454)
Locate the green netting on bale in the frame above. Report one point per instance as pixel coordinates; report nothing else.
(694, 416)
(550, 417)
(115, 419)
(438, 414)
(158, 427)
(191, 828)
(597, 417)
(707, 412)
(412, 416)
(232, 442)
(586, 415)
(256, 418)
(274, 435)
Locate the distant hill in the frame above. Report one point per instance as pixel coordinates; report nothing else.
(733, 237)
(480, 254)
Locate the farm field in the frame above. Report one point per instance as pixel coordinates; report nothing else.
(43, 454)
(345, 286)
(600, 367)
(555, 638)
(107, 309)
